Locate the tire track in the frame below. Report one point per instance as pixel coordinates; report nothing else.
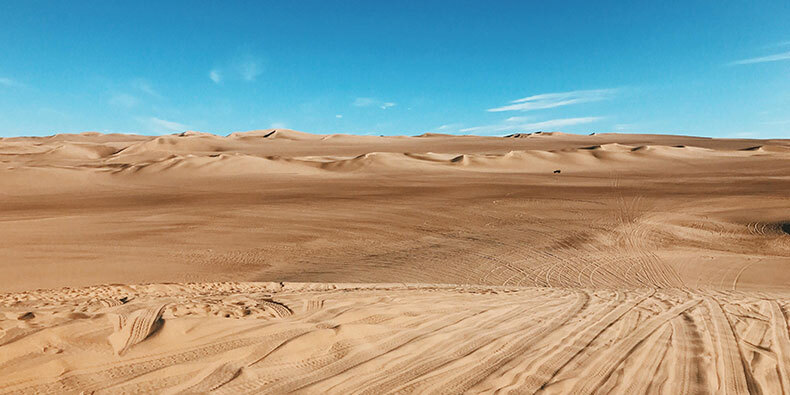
(732, 379)
(781, 344)
(601, 367)
(407, 338)
(468, 374)
(440, 354)
(315, 374)
(573, 345)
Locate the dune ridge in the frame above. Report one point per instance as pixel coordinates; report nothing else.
(262, 151)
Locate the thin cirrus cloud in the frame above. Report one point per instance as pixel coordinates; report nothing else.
(215, 75)
(159, 125)
(143, 90)
(10, 83)
(249, 70)
(763, 59)
(371, 102)
(448, 127)
(625, 126)
(144, 86)
(510, 126)
(778, 44)
(558, 99)
(124, 100)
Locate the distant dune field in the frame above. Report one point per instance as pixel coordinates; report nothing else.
(280, 261)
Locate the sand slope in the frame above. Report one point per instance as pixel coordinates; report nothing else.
(336, 338)
(624, 211)
(278, 261)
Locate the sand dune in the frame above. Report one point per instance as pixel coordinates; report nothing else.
(280, 261)
(552, 150)
(274, 134)
(214, 165)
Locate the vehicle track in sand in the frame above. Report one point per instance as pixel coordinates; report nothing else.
(386, 338)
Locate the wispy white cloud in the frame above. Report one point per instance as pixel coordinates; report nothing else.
(448, 128)
(10, 82)
(278, 125)
(558, 123)
(244, 67)
(124, 100)
(506, 126)
(250, 70)
(551, 100)
(363, 102)
(763, 59)
(780, 44)
(145, 87)
(371, 102)
(780, 122)
(215, 75)
(338, 116)
(133, 94)
(625, 126)
(49, 111)
(162, 126)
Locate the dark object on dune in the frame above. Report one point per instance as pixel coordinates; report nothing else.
(785, 227)
(27, 316)
(557, 171)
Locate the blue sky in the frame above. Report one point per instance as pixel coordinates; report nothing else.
(711, 68)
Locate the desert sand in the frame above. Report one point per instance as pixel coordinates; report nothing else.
(278, 261)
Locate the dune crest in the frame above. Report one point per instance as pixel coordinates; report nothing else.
(275, 134)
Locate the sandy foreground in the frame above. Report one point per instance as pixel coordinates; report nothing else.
(278, 261)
